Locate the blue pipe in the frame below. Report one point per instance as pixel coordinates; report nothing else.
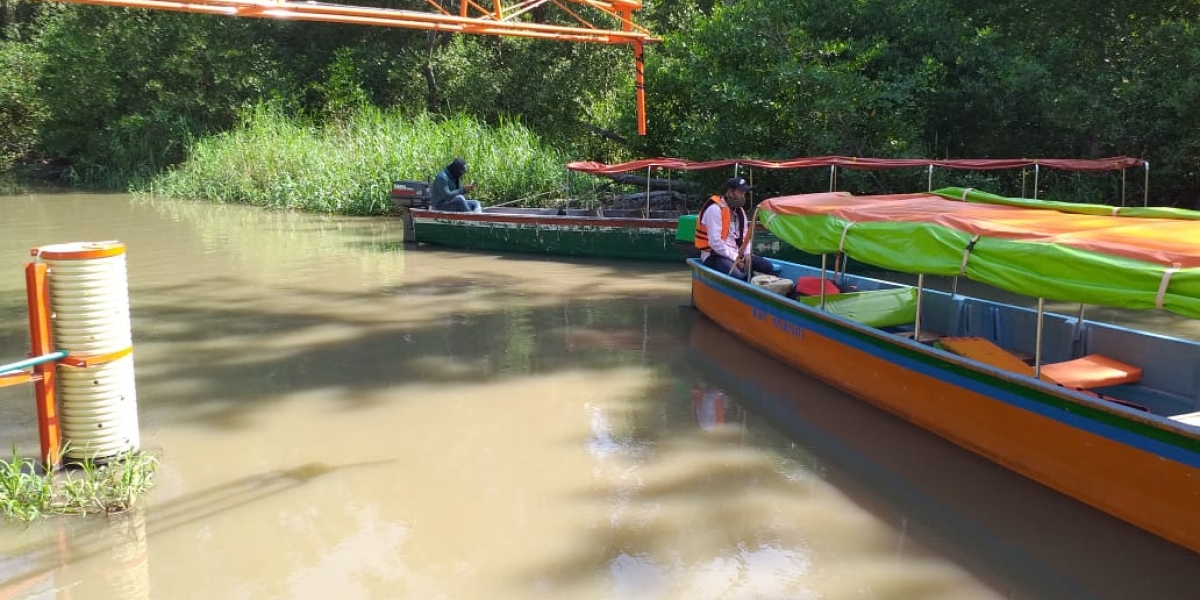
(29, 362)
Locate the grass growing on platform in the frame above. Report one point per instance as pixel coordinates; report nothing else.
(279, 161)
(85, 488)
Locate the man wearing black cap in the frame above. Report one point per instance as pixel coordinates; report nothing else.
(722, 230)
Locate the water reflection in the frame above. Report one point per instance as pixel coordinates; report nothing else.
(711, 405)
(102, 558)
(1026, 540)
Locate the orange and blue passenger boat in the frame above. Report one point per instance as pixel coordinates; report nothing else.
(1106, 414)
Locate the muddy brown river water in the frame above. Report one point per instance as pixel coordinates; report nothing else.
(341, 416)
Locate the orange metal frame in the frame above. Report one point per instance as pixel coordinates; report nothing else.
(42, 342)
(471, 17)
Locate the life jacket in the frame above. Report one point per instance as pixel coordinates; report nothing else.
(726, 217)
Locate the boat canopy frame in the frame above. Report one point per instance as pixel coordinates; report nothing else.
(833, 163)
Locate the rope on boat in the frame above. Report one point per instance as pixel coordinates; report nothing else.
(1162, 285)
(962, 269)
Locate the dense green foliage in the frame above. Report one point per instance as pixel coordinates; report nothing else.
(118, 96)
(347, 167)
(21, 107)
(936, 79)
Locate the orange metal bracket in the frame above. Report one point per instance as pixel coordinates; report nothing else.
(99, 359)
(7, 379)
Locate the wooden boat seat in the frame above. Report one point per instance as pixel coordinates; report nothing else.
(1085, 373)
(988, 353)
(1092, 371)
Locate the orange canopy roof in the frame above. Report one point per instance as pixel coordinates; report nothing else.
(1161, 241)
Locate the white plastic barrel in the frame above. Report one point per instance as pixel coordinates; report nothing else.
(89, 300)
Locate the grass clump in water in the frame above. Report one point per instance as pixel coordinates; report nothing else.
(82, 488)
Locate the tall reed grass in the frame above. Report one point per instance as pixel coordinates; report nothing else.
(277, 161)
(83, 488)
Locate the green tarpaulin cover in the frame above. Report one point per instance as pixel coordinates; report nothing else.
(1138, 258)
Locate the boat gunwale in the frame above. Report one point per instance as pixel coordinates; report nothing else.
(420, 214)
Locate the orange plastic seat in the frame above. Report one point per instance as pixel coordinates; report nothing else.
(1092, 371)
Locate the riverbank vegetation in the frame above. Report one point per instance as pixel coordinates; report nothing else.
(347, 166)
(82, 488)
(118, 97)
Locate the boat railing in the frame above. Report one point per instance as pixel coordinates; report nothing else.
(640, 213)
(1106, 360)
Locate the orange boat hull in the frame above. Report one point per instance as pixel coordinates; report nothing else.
(1116, 460)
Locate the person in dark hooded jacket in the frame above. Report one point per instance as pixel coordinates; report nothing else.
(448, 191)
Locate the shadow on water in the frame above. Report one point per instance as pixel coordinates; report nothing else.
(263, 352)
(1019, 535)
(79, 541)
(406, 335)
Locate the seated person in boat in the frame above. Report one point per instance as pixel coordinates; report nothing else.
(723, 229)
(448, 191)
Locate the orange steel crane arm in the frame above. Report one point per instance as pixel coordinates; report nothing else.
(471, 17)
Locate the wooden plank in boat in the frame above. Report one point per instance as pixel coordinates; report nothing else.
(987, 352)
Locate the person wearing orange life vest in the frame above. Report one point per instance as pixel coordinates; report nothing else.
(722, 227)
(708, 405)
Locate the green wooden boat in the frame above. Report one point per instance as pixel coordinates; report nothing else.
(589, 233)
(581, 233)
(664, 236)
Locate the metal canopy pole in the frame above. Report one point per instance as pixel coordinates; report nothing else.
(917, 321)
(1146, 186)
(1123, 188)
(824, 261)
(647, 191)
(1037, 343)
(1077, 336)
